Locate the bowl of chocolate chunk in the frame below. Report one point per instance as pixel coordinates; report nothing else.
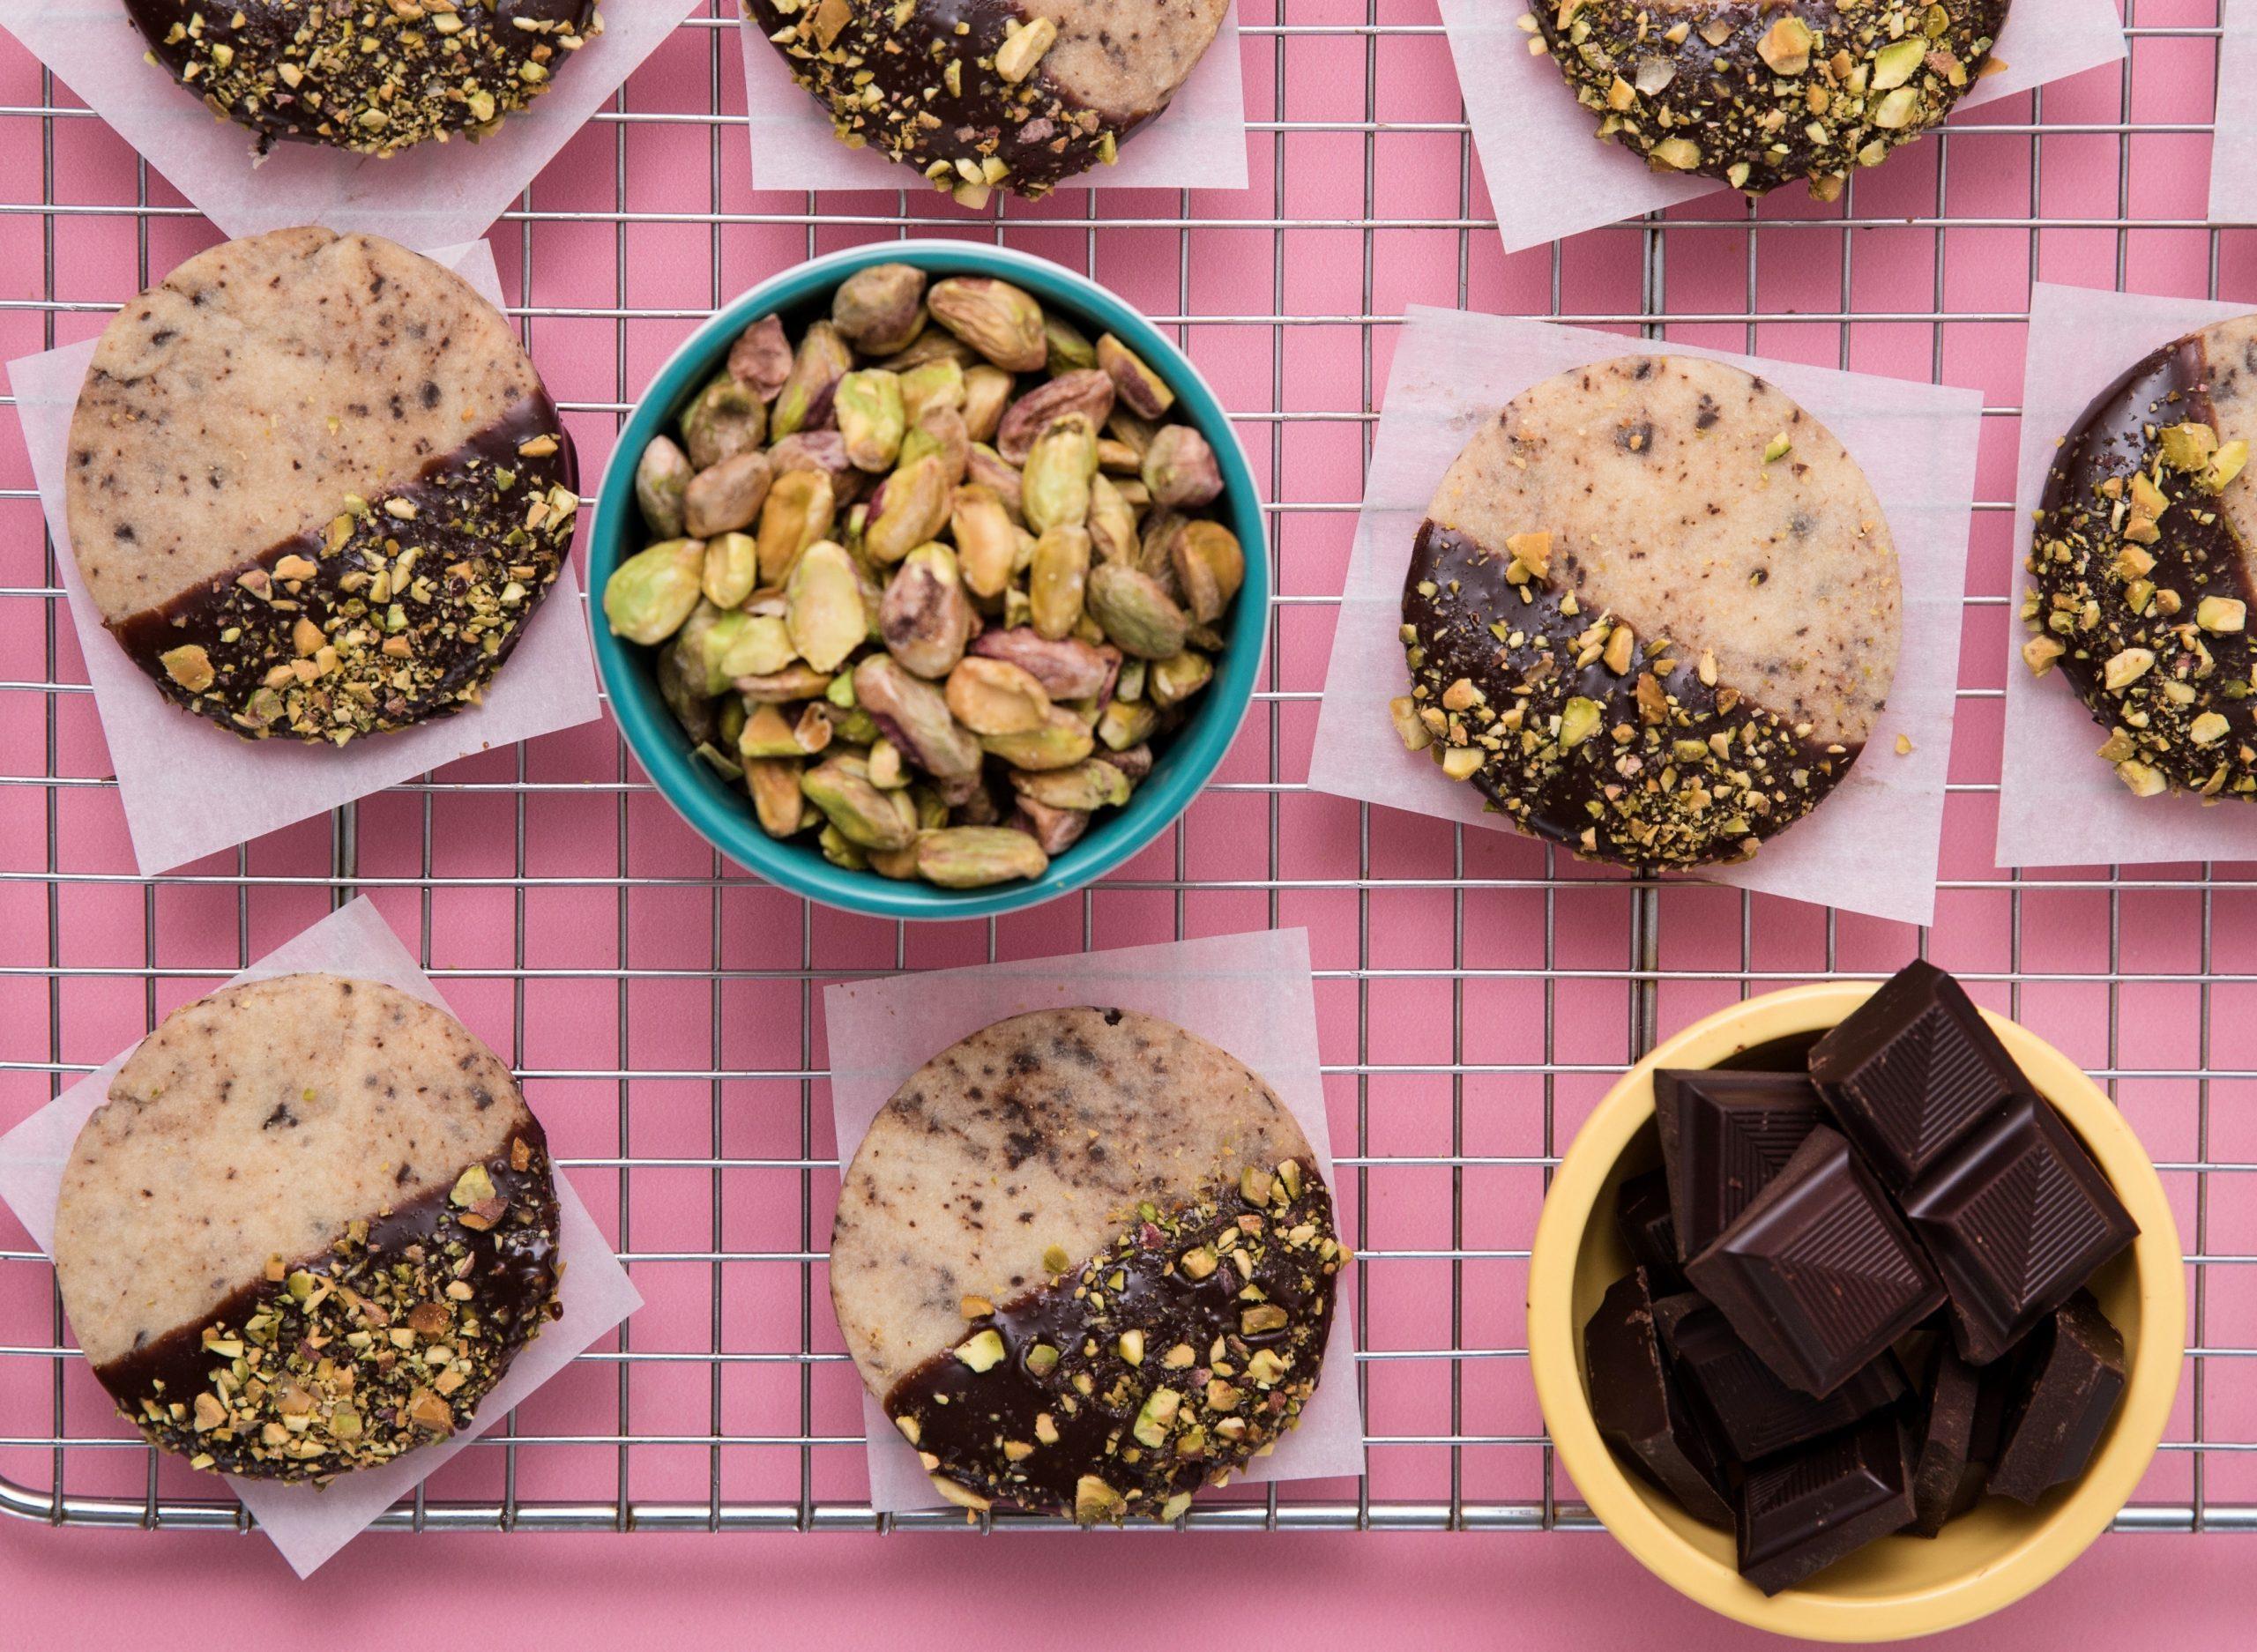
(1756, 96)
(315, 488)
(1855, 1311)
(2140, 589)
(932, 577)
(1087, 1263)
(1017, 95)
(373, 76)
(1652, 613)
(310, 1230)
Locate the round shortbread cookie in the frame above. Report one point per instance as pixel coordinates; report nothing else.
(1760, 92)
(1086, 1262)
(314, 486)
(984, 95)
(309, 1230)
(1652, 612)
(371, 75)
(2140, 581)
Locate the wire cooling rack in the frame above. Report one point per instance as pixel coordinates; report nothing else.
(1477, 995)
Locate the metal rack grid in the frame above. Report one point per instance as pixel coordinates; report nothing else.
(64, 1466)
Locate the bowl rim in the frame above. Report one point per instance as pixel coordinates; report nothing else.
(2151, 1382)
(1196, 751)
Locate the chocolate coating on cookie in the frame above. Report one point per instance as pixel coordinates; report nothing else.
(371, 75)
(386, 1341)
(984, 95)
(1756, 93)
(2140, 578)
(401, 611)
(1116, 1387)
(1652, 614)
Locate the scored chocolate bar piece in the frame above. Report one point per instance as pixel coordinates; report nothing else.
(1911, 1070)
(1756, 1412)
(1641, 1411)
(2069, 1387)
(1817, 1274)
(1958, 1441)
(1801, 1514)
(1642, 1215)
(2017, 1217)
(1723, 1135)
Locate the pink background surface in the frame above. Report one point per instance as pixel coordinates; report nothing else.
(1474, 996)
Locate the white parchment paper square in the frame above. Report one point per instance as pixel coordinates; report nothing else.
(310, 1524)
(2233, 145)
(434, 195)
(189, 786)
(1198, 142)
(2058, 804)
(1873, 846)
(1551, 175)
(1252, 995)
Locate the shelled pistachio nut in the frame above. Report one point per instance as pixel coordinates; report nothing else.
(973, 856)
(914, 715)
(825, 615)
(661, 476)
(879, 308)
(761, 357)
(726, 419)
(926, 616)
(650, 594)
(995, 319)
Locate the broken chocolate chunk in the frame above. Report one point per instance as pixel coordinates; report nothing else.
(1642, 1215)
(1639, 1408)
(2068, 1390)
(1756, 1412)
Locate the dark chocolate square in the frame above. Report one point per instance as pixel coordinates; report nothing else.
(2017, 1217)
(1804, 1510)
(1639, 1408)
(1757, 1414)
(1724, 1135)
(1911, 1070)
(1817, 1274)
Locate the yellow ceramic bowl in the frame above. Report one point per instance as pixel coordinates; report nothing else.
(1899, 1586)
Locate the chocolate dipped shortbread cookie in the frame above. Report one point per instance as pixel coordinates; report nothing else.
(371, 75)
(1760, 92)
(309, 1230)
(1087, 1263)
(1652, 612)
(315, 487)
(2139, 581)
(986, 95)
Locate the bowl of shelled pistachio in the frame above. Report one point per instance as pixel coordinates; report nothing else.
(931, 580)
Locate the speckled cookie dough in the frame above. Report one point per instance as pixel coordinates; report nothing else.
(1652, 613)
(2140, 579)
(1087, 1263)
(980, 95)
(1756, 92)
(371, 75)
(314, 486)
(309, 1230)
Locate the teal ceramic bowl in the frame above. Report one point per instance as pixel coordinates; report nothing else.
(724, 817)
